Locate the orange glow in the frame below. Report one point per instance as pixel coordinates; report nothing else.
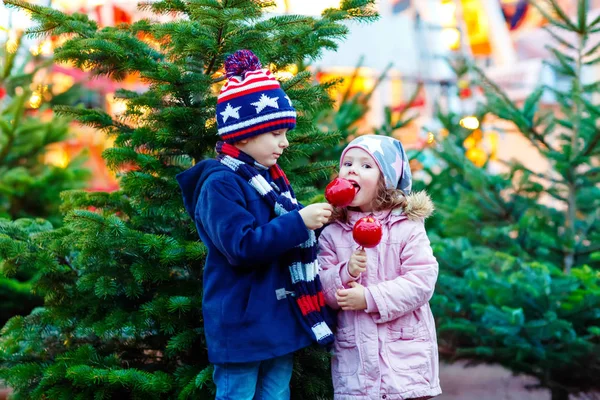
(477, 25)
(56, 155)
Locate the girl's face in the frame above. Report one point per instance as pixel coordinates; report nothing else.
(360, 169)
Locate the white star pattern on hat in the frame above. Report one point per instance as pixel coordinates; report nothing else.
(288, 99)
(231, 112)
(398, 165)
(265, 101)
(372, 144)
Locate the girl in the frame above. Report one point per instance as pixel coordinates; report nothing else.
(385, 346)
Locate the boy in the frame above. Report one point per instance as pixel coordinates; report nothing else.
(262, 295)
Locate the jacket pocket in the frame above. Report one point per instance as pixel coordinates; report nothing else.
(346, 358)
(409, 349)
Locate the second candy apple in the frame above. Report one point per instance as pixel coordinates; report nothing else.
(367, 232)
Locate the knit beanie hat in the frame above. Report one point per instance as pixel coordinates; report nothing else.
(252, 101)
(390, 157)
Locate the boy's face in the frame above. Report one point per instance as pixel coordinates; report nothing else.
(359, 168)
(265, 148)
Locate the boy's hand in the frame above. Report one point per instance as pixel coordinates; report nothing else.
(353, 298)
(357, 263)
(316, 215)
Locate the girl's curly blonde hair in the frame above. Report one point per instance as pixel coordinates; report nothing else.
(386, 199)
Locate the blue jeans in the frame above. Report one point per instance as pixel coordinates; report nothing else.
(261, 380)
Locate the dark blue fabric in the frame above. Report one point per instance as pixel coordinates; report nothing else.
(301, 260)
(243, 319)
(245, 106)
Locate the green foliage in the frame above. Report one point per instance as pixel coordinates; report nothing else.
(28, 186)
(123, 283)
(528, 316)
(519, 273)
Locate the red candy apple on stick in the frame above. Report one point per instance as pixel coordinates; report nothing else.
(340, 192)
(367, 232)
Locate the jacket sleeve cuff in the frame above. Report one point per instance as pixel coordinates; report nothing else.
(381, 312)
(371, 305)
(331, 281)
(345, 275)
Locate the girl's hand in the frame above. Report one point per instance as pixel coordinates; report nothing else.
(353, 298)
(357, 263)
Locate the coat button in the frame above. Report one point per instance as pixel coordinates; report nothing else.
(384, 397)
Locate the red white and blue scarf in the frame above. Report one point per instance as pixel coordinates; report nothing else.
(302, 259)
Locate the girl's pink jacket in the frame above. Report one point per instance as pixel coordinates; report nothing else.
(388, 351)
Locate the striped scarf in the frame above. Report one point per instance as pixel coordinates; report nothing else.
(302, 259)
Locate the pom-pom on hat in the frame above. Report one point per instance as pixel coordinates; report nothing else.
(252, 101)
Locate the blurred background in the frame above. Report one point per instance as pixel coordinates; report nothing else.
(457, 81)
(410, 45)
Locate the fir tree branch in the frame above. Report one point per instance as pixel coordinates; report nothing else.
(566, 22)
(557, 196)
(51, 19)
(538, 174)
(550, 247)
(164, 7)
(208, 71)
(18, 116)
(537, 136)
(65, 261)
(9, 144)
(577, 101)
(591, 224)
(507, 102)
(591, 145)
(564, 62)
(594, 22)
(558, 38)
(380, 79)
(353, 77)
(592, 87)
(214, 59)
(592, 61)
(582, 7)
(9, 59)
(571, 212)
(591, 172)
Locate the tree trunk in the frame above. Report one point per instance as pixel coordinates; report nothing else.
(560, 394)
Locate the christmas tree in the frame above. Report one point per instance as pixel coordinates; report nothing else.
(29, 186)
(518, 251)
(122, 284)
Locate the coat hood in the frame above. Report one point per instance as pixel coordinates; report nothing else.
(191, 181)
(418, 206)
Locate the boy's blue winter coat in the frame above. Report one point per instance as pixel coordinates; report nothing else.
(243, 319)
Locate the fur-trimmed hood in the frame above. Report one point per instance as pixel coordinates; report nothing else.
(419, 207)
